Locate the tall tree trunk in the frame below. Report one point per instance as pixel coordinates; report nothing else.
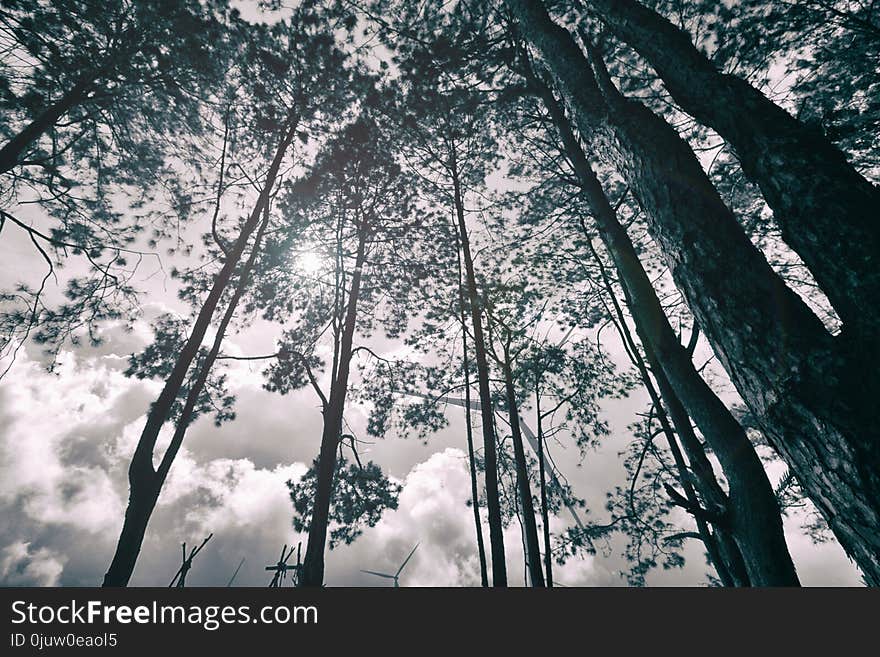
(723, 552)
(134, 528)
(826, 210)
(533, 551)
(813, 396)
(545, 514)
(490, 458)
(813, 399)
(466, 370)
(752, 509)
(313, 564)
(12, 152)
(475, 493)
(144, 482)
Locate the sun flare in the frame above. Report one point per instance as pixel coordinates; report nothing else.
(310, 263)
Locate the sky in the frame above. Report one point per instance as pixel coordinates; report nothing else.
(66, 438)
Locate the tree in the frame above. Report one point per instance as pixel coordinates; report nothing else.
(734, 296)
(290, 59)
(356, 206)
(90, 94)
(824, 207)
(96, 79)
(751, 488)
(451, 143)
(361, 493)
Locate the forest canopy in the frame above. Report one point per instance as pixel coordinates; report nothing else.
(564, 293)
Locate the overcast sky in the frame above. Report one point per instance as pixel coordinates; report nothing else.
(66, 439)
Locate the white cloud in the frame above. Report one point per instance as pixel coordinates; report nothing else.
(65, 442)
(21, 566)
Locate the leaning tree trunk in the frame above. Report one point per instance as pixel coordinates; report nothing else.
(826, 210)
(12, 152)
(533, 547)
(490, 458)
(313, 564)
(813, 398)
(144, 483)
(724, 553)
(752, 508)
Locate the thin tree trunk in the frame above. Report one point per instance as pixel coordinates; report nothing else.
(753, 509)
(724, 554)
(826, 210)
(478, 524)
(490, 458)
(465, 365)
(144, 483)
(545, 515)
(533, 552)
(12, 151)
(725, 541)
(313, 564)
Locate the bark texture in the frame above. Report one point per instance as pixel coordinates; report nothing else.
(826, 210)
(812, 395)
(754, 519)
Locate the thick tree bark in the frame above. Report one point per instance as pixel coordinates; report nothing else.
(753, 511)
(12, 152)
(490, 458)
(313, 564)
(826, 210)
(144, 480)
(533, 547)
(813, 396)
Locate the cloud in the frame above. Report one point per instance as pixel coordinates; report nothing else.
(66, 439)
(22, 566)
(434, 513)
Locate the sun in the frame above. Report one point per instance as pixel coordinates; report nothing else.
(309, 263)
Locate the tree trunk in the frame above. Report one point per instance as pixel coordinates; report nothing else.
(813, 397)
(545, 515)
(12, 151)
(826, 210)
(141, 502)
(465, 365)
(144, 483)
(490, 459)
(533, 552)
(753, 511)
(313, 565)
(134, 529)
(723, 552)
(475, 494)
(713, 495)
